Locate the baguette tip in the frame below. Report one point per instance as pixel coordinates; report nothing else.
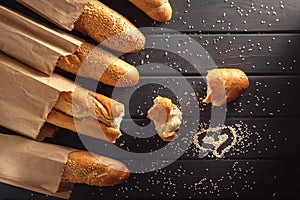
(225, 85)
(108, 27)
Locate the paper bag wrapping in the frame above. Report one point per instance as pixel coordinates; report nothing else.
(33, 43)
(27, 96)
(33, 165)
(63, 13)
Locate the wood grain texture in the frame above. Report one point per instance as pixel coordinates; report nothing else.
(222, 16)
(261, 138)
(260, 37)
(197, 180)
(212, 15)
(258, 139)
(267, 96)
(256, 54)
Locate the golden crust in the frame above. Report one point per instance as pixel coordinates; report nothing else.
(87, 126)
(225, 85)
(158, 10)
(110, 28)
(93, 62)
(171, 136)
(92, 169)
(83, 103)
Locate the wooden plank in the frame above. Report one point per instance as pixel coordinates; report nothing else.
(213, 15)
(194, 179)
(255, 54)
(240, 15)
(260, 139)
(267, 96)
(269, 109)
(221, 16)
(257, 139)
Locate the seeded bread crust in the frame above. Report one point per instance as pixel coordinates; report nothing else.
(95, 63)
(109, 28)
(95, 170)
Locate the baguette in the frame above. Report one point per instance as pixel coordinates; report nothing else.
(92, 110)
(110, 28)
(92, 127)
(167, 118)
(93, 62)
(63, 50)
(225, 85)
(95, 170)
(158, 10)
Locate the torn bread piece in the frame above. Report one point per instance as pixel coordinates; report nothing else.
(167, 118)
(225, 85)
(158, 10)
(89, 110)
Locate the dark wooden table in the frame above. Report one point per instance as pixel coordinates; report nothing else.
(261, 37)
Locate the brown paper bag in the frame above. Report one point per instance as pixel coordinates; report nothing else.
(27, 96)
(33, 43)
(63, 13)
(33, 165)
